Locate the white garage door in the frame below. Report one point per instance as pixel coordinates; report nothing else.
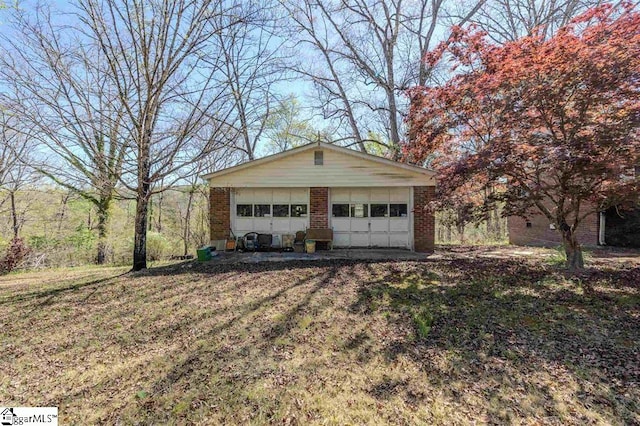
(371, 217)
(267, 210)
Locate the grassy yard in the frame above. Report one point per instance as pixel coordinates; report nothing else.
(458, 339)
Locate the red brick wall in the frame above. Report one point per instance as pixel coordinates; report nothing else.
(220, 213)
(424, 223)
(319, 205)
(539, 234)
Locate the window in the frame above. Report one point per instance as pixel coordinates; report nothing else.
(318, 158)
(281, 210)
(340, 210)
(398, 210)
(528, 225)
(298, 210)
(359, 210)
(379, 210)
(244, 210)
(262, 210)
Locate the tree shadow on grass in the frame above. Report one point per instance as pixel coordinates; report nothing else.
(50, 293)
(195, 267)
(475, 323)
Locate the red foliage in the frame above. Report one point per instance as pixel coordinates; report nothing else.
(555, 122)
(16, 252)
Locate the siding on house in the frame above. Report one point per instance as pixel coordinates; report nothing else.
(338, 170)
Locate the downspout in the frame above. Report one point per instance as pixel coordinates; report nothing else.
(601, 230)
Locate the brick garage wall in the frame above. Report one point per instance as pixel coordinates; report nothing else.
(539, 234)
(424, 222)
(319, 205)
(220, 212)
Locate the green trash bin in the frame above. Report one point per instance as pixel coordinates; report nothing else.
(204, 253)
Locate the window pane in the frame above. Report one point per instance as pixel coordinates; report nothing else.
(281, 210)
(298, 210)
(379, 210)
(262, 210)
(318, 158)
(244, 210)
(398, 210)
(340, 210)
(359, 210)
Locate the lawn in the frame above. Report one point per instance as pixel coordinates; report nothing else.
(456, 339)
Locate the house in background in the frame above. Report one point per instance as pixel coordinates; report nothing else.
(614, 227)
(368, 201)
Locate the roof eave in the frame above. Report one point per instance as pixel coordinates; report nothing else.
(303, 148)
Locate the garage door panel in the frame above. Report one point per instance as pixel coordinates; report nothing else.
(359, 239)
(399, 225)
(243, 196)
(281, 225)
(340, 195)
(262, 225)
(380, 195)
(299, 195)
(380, 225)
(359, 225)
(400, 195)
(360, 195)
(262, 196)
(399, 240)
(341, 240)
(379, 240)
(281, 196)
(244, 223)
(298, 224)
(341, 225)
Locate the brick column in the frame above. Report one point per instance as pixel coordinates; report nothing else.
(220, 212)
(319, 205)
(424, 222)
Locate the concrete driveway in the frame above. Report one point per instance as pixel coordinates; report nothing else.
(356, 254)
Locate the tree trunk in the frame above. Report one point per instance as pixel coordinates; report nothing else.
(142, 205)
(461, 233)
(572, 249)
(14, 216)
(496, 224)
(103, 219)
(63, 208)
(187, 220)
(150, 213)
(159, 208)
(140, 239)
(490, 226)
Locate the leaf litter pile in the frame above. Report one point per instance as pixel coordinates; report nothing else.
(452, 340)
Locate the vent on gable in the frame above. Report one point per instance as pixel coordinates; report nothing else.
(318, 158)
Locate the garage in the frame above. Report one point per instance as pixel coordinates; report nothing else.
(270, 210)
(371, 217)
(350, 198)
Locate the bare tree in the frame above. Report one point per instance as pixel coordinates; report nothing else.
(60, 89)
(508, 20)
(15, 173)
(368, 51)
(253, 65)
(163, 59)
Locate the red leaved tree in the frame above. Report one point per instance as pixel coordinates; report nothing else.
(554, 123)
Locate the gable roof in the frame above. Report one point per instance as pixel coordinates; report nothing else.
(323, 145)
